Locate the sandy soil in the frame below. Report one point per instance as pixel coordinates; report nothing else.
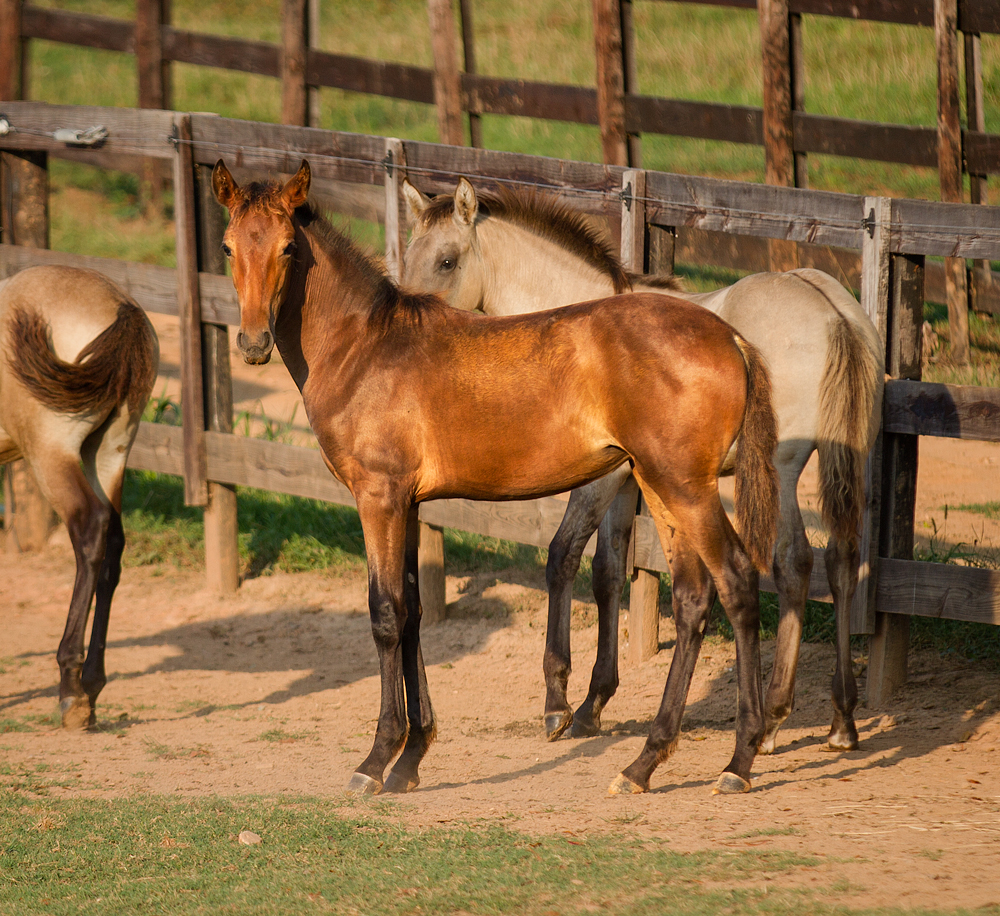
(276, 691)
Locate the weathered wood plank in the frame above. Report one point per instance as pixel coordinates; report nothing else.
(865, 139)
(259, 57)
(704, 120)
(376, 77)
(131, 131)
(950, 411)
(939, 590)
(447, 82)
(83, 29)
(158, 448)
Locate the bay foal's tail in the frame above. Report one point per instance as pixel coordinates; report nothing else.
(117, 366)
(848, 423)
(756, 496)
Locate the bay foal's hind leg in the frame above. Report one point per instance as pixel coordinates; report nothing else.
(610, 562)
(693, 593)
(587, 506)
(842, 557)
(705, 550)
(384, 526)
(419, 714)
(793, 560)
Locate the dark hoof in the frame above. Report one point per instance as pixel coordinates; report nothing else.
(77, 713)
(838, 741)
(556, 723)
(622, 785)
(360, 784)
(400, 785)
(584, 729)
(730, 784)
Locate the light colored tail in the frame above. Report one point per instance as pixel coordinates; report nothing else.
(849, 421)
(756, 490)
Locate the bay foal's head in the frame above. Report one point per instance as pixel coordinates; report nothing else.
(446, 261)
(260, 245)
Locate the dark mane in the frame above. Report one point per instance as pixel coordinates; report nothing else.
(550, 218)
(389, 303)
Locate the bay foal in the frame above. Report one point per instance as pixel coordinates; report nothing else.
(411, 400)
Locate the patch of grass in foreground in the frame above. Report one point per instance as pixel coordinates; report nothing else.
(157, 855)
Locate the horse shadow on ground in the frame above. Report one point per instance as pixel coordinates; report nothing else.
(332, 649)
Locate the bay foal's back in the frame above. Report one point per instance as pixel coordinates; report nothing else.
(77, 364)
(411, 400)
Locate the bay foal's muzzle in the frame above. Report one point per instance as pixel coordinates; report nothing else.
(256, 348)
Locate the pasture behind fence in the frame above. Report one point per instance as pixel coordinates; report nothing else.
(354, 172)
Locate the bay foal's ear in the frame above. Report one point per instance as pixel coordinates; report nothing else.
(223, 185)
(296, 192)
(416, 200)
(466, 205)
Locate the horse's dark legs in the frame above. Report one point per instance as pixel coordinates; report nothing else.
(385, 529)
(610, 563)
(587, 506)
(87, 522)
(94, 677)
(693, 594)
(708, 551)
(420, 715)
(793, 560)
(842, 568)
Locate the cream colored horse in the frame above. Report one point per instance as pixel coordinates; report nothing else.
(77, 364)
(518, 253)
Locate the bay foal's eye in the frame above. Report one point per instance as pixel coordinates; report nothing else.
(289, 250)
(226, 250)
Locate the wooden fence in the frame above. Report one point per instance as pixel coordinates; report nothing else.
(782, 126)
(894, 238)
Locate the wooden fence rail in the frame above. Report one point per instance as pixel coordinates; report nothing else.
(894, 239)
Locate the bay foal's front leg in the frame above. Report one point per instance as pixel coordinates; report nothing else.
(385, 526)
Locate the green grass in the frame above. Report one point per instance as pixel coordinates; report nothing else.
(158, 856)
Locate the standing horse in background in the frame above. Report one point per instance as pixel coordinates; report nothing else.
(78, 361)
(411, 400)
(519, 253)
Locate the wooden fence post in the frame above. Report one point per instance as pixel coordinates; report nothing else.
(447, 82)
(294, 47)
(189, 312)
(154, 84)
(24, 178)
(222, 553)
(469, 52)
(875, 302)
(12, 82)
(889, 644)
(430, 549)
(644, 594)
(981, 279)
(779, 155)
(950, 165)
(610, 81)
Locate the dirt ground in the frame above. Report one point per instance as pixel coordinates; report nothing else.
(275, 691)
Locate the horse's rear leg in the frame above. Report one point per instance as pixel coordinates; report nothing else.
(87, 521)
(842, 558)
(693, 594)
(587, 506)
(705, 545)
(420, 716)
(94, 677)
(610, 571)
(793, 562)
